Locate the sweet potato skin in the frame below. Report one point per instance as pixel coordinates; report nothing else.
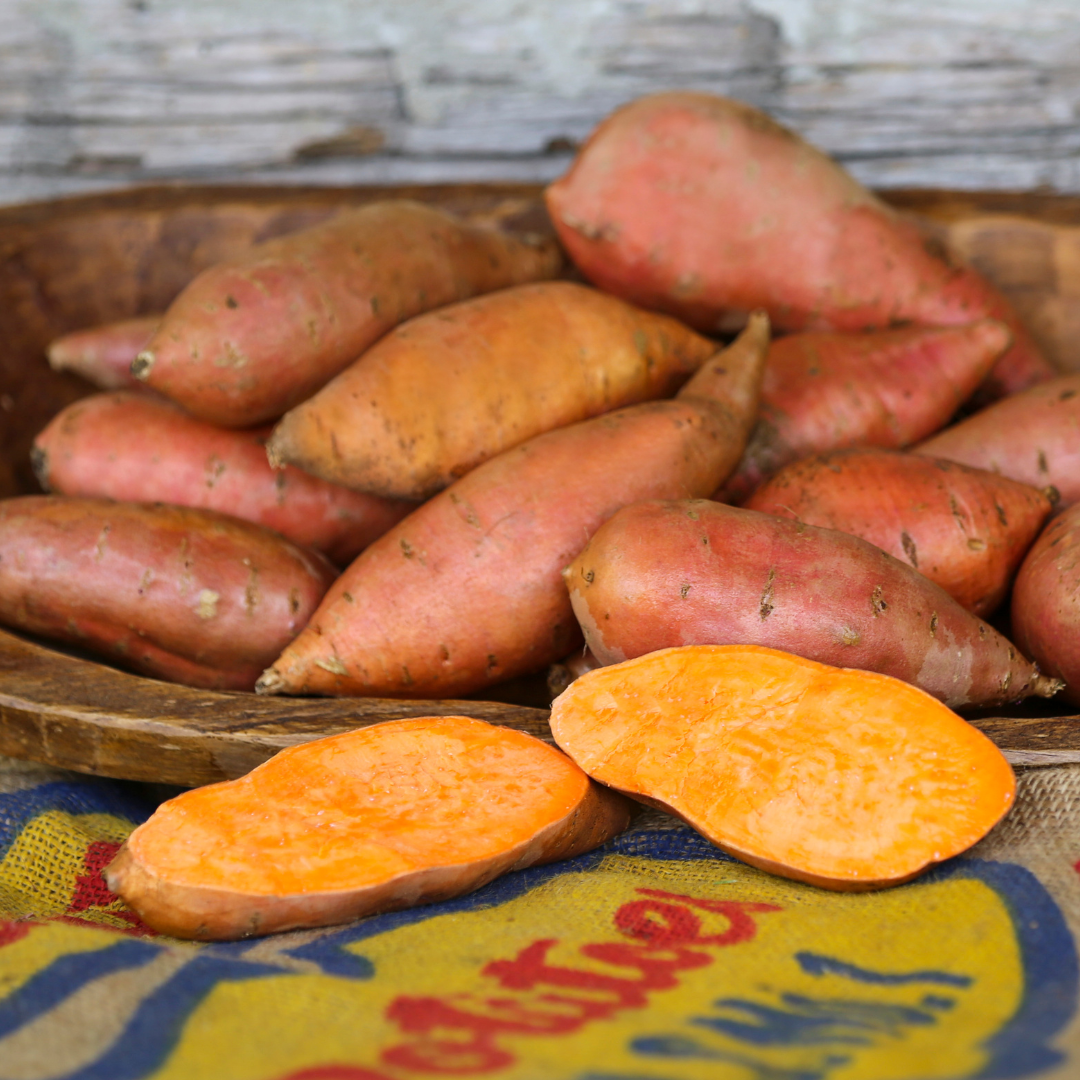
(103, 354)
(967, 530)
(844, 779)
(1032, 437)
(705, 208)
(450, 389)
(571, 823)
(137, 448)
(245, 341)
(889, 388)
(662, 574)
(185, 595)
(1046, 602)
(466, 591)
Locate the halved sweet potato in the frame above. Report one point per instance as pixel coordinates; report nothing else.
(845, 779)
(390, 816)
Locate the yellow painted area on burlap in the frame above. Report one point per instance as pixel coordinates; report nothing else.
(38, 874)
(21, 960)
(268, 1028)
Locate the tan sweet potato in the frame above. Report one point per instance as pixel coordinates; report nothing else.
(845, 779)
(707, 208)
(826, 391)
(144, 449)
(662, 574)
(186, 595)
(965, 529)
(247, 340)
(1033, 437)
(451, 389)
(103, 355)
(394, 815)
(466, 591)
(1046, 602)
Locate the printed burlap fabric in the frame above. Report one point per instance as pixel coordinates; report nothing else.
(657, 958)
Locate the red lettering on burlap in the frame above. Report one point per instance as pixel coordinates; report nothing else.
(453, 1040)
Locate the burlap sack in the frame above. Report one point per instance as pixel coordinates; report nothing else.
(656, 958)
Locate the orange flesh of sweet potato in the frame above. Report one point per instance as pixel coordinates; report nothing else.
(247, 340)
(1033, 437)
(965, 529)
(706, 208)
(450, 389)
(845, 779)
(467, 590)
(890, 388)
(1046, 602)
(661, 574)
(142, 448)
(393, 815)
(103, 354)
(172, 592)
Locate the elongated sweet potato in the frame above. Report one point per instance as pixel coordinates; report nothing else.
(1033, 437)
(186, 595)
(845, 779)
(245, 341)
(144, 449)
(662, 574)
(453, 388)
(394, 815)
(705, 207)
(1046, 602)
(103, 355)
(466, 591)
(965, 529)
(825, 391)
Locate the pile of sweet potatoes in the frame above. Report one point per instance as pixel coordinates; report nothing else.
(506, 468)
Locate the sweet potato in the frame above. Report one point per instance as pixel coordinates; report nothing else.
(661, 574)
(103, 355)
(453, 388)
(705, 208)
(186, 595)
(247, 340)
(1033, 437)
(889, 388)
(144, 449)
(844, 779)
(466, 591)
(394, 815)
(965, 529)
(1046, 602)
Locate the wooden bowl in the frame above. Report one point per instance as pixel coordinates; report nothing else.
(73, 263)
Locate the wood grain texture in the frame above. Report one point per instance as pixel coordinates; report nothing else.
(86, 260)
(99, 92)
(75, 714)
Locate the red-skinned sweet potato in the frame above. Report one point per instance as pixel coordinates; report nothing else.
(965, 529)
(247, 340)
(845, 779)
(393, 815)
(451, 389)
(103, 355)
(705, 208)
(186, 595)
(662, 574)
(466, 591)
(1046, 602)
(1033, 437)
(826, 391)
(140, 448)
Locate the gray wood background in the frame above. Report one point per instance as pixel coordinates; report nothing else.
(100, 93)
